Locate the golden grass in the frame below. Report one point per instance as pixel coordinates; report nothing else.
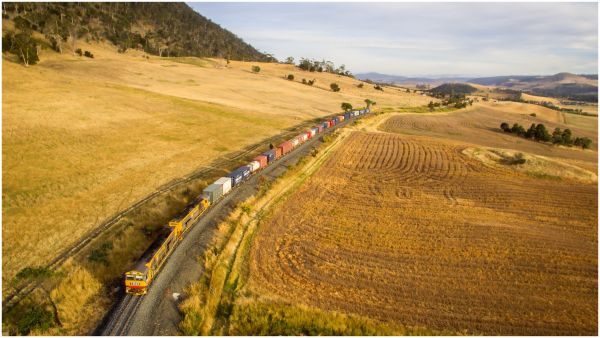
(535, 164)
(85, 138)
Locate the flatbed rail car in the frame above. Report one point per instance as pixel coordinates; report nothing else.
(138, 280)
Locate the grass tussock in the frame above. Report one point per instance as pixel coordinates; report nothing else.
(277, 319)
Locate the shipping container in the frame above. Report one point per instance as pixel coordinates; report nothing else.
(262, 160)
(308, 135)
(239, 175)
(278, 152)
(295, 142)
(270, 154)
(286, 147)
(320, 127)
(325, 124)
(213, 192)
(347, 116)
(341, 118)
(226, 183)
(314, 131)
(254, 166)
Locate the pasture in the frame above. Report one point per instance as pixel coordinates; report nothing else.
(84, 138)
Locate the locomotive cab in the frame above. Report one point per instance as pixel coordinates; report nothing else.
(135, 283)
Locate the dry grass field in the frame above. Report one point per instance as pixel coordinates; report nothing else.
(407, 228)
(588, 108)
(84, 138)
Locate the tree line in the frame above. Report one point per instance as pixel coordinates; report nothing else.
(540, 133)
(311, 65)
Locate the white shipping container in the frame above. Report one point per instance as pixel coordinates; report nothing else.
(254, 166)
(304, 137)
(313, 132)
(295, 142)
(225, 182)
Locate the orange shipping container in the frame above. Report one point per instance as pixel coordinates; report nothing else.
(262, 159)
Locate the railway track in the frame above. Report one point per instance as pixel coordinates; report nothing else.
(26, 288)
(120, 320)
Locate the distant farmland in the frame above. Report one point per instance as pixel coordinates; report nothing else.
(409, 229)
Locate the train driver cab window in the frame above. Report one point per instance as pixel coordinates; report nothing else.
(139, 277)
(130, 277)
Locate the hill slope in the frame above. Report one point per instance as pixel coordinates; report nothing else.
(564, 85)
(168, 29)
(104, 132)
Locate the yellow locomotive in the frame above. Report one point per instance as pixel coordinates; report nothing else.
(138, 279)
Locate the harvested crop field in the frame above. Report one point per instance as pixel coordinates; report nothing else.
(411, 230)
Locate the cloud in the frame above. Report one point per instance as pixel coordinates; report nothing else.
(424, 38)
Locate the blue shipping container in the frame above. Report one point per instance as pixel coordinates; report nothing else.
(270, 155)
(239, 175)
(346, 116)
(325, 125)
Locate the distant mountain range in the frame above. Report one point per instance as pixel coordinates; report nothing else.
(396, 79)
(582, 87)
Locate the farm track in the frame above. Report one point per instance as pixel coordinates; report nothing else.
(25, 289)
(411, 230)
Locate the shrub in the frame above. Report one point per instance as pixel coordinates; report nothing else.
(378, 87)
(79, 52)
(36, 318)
(533, 114)
(290, 77)
(88, 54)
(255, 69)
(505, 127)
(583, 142)
(311, 82)
(360, 85)
(304, 81)
(335, 87)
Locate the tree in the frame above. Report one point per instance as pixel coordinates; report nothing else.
(289, 60)
(255, 69)
(504, 126)
(346, 106)
(38, 317)
(566, 137)
(290, 77)
(541, 134)
(531, 131)
(430, 105)
(368, 102)
(25, 48)
(360, 85)
(335, 87)
(304, 81)
(557, 136)
(517, 129)
(311, 82)
(583, 142)
(378, 87)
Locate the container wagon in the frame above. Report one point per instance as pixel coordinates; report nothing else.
(270, 154)
(262, 160)
(254, 166)
(239, 175)
(286, 147)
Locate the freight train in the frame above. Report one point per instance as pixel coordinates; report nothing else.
(139, 279)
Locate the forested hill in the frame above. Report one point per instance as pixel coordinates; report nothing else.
(159, 28)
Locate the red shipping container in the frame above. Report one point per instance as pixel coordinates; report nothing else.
(286, 147)
(320, 127)
(308, 134)
(278, 152)
(262, 159)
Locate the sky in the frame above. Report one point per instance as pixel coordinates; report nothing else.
(422, 39)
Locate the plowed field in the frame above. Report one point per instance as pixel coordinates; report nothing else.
(409, 229)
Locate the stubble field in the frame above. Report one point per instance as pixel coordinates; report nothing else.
(408, 229)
